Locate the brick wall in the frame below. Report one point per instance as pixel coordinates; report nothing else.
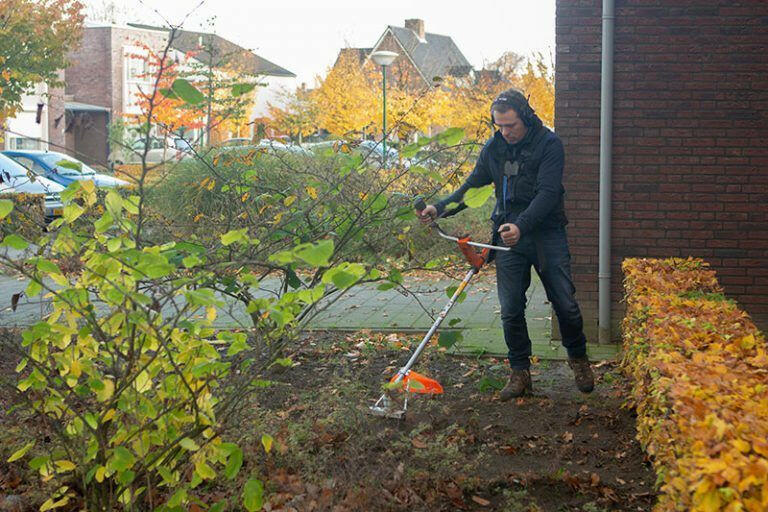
(690, 162)
(88, 75)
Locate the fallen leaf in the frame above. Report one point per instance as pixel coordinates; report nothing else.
(480, 501)
(418, 443)
(594, 479)
(568, 437)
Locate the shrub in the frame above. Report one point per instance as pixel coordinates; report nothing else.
(700, 372)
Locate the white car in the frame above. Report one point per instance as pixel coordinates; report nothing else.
(15, 179)
(159, 151)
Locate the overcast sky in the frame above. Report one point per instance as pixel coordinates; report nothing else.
(305, 36)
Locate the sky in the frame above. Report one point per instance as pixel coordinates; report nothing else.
(305, 36)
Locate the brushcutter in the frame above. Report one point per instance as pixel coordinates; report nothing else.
(406, 380)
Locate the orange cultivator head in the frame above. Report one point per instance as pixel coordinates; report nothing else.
(418, 383)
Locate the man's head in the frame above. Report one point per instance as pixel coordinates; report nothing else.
(512, 115)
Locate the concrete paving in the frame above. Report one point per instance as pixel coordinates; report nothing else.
(365, 307)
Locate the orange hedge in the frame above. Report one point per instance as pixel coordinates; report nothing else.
(700, 385)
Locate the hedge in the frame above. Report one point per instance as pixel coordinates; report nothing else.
(700, 387)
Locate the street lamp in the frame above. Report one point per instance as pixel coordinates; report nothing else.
(384, 58)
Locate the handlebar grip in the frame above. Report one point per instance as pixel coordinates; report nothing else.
(419, 204)
(506, 228)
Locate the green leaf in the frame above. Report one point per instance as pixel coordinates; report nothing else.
(452, 289)
(476, 197)
(236, 235)
(189, 444)
(15, 242)
(240, 89)
(204, 471)
(490, 384)
(253, 495)
(451, 136)
(21, 452)
(238, 346)
(44, 265)
(454, 321)
(266, 442)
(168, 93)
(72, 211)
(122, 459)
(449, 338)
(104, 223)
(69, 164)
(33, 288)
(234, 462)
(385, 286)
(317, 254)
(187, 92)
(6, 206)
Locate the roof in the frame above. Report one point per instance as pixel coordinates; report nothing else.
(436, 55)
(355, 53)
(223, 49)
(76, 106)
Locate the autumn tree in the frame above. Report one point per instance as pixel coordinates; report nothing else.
(345, 100)
(35, 36)
(538, 81)
(294, 113)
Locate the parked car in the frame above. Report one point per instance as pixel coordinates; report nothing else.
(236, 141)
(16, 179)
(63, 169)
(160, 150)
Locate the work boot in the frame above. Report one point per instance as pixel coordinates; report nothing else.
(582, 373)
(518, 385)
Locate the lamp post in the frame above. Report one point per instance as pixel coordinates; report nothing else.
(384, 58)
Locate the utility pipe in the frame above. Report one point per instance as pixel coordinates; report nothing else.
(606, 153)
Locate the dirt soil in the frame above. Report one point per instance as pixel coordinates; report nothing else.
(558, 450)
(310, 438)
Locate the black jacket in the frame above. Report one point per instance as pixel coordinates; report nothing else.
(535, 192)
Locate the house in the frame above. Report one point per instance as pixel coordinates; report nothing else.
(110, 67)
(689, 159)
(422, 55)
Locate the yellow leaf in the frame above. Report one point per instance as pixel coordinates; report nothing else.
(266, 441)
(100, 474)
(106, 393)
(312, 192)
(244, 197)
(288, 201)
(64, 465)
(710, 502)
(210, 313)
(75, 368)
(109, 415)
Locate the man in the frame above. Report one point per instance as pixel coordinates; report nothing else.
(524, 160)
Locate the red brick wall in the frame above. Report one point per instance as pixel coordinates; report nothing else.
(690, 161)
(88, 75)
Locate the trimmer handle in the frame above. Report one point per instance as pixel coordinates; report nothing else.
(419, 204)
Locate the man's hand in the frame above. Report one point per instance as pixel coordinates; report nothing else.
(428, 214)
(510, 234)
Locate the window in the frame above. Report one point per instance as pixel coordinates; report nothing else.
(137, 77)
(23, 143)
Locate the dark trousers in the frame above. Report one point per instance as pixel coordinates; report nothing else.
(513, 276)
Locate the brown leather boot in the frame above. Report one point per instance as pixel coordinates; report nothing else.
(582, 372)
(519, 384)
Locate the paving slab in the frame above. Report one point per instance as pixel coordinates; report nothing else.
(366, 307)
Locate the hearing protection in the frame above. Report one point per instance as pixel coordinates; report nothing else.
(515, 100)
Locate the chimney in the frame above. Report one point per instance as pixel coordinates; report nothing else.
(417, 26)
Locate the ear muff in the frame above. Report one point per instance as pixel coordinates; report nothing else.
(515, 100)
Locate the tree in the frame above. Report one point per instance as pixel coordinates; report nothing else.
(296, 113)
(345, 100)
(538, 81)
(35, 36)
